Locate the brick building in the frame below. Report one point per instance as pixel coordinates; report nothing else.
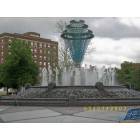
(44, 51)
(134, 65)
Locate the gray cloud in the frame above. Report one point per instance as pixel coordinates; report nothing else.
(114, 40)
(113, 28)
(102, 27)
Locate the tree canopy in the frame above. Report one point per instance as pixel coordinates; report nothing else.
(129, 74)
(19, 67)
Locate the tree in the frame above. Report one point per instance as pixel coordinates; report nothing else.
(64, 53)
(19, 67)
(136, 78)
(129, 75)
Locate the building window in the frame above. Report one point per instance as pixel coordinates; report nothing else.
(44, 63)
(40, 63)
(40, 57)
(35, 50)
(40, 51)
(10, 40)
(46, 45)
(45, 57)
(40, 45)
(32, 43)
(35, 56)
(35, 44)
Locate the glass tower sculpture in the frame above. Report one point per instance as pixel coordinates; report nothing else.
(77, 37)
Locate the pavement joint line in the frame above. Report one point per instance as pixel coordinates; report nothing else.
(32, 118)
(66, 113)
(62, 114)
(96, 118)
(59, 116)
(1, 112)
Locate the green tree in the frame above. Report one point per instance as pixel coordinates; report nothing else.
(19, 67)
(136, 78)
(129, 75)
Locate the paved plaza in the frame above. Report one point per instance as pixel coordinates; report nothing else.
(22, 114)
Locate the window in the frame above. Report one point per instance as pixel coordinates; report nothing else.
(40, 63)
(32, 43)
(44, 45)
(40, 57)
(40, 51)
(35, 56)
(45, 57)
(10, 40)
(44, 63)
(35, 50)
(35, 44)
(40, 45)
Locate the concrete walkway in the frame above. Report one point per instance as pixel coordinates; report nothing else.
(22, 114)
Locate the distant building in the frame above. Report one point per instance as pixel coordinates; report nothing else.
(134, 65)
(44, 51)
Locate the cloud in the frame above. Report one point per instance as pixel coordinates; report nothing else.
(114, 52)
(115, 28)
(116, 39)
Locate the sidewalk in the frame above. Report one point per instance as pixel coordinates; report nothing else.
(22, 114)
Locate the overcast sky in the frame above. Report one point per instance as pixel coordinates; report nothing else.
(116, 39)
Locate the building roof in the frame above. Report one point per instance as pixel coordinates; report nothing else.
(28, 35)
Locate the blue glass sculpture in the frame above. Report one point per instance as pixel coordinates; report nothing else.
(77, 37)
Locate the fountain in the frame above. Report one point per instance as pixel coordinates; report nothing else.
(80, 76)
(78, 83)
(77, 37)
